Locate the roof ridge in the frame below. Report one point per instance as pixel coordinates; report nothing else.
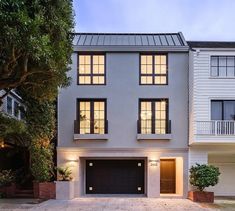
(124, 33)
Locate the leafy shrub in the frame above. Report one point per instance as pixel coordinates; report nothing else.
(6, 177)
(64, 174)
(42, 160)
(202, 176)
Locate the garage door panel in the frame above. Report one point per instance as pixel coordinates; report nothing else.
(115, 176)
(226, 186)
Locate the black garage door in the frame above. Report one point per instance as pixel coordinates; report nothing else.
(114, 176)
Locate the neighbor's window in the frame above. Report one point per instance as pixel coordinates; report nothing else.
(92, 116)
(91, 69)
(223, 66)
(16, 109)
(153, 69)
(153, 116)
(223, 110)
(9, 105)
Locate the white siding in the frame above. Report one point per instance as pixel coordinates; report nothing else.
(203, 88)
(197, 156)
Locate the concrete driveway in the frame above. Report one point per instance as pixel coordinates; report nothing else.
(115, 204)
(111, 204)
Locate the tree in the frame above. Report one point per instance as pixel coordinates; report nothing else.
(35, 46)
(202, 176)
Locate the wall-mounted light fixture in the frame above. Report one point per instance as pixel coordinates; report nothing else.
(72, 160)
(2, 145)
(153, 162)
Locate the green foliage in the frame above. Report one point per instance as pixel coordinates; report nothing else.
(64, 174)
(40, 117)
(13, 131)
(9, 125)
(42, 160)
(35, 45)
(6, 177)
(202, 176)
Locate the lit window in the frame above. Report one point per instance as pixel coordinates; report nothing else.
(92, 116)
(223, 66)
(91, 69)
(153, 69)
(153, 117)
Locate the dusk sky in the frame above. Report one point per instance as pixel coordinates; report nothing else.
(197, 19)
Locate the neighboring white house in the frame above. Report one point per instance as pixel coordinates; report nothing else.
(11, 105)
(123, 122)
(212, 109)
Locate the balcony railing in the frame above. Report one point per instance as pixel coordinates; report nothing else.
(92, 126)
(218, 127)
(141, 128)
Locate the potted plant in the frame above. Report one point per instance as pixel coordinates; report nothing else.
(42, 170)
(202, 176)
(64, 184)
(7, 185)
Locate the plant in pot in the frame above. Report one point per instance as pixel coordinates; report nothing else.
(7, 186)
(64, 184)
(42, 169)
(201, 177)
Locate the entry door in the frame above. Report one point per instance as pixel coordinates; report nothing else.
(115, 176)
(167, 176)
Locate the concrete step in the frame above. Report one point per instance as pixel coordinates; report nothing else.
(23, 193)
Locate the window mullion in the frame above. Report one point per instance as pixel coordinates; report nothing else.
(226, 66)
(92, 117)
(153, 117)
(91, 69)
(153, 68)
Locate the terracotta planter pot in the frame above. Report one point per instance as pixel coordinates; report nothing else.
(201, 196)
(9, 191)
(44, 190)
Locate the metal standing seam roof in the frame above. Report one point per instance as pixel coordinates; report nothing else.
(126, 39)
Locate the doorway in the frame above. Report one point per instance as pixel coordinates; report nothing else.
(167, 176)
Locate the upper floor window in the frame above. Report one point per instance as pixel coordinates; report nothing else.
(223, 110)
(92, 116)
(91, 69)
(223, 66)
(16, 109)
(153, 69)
(153, 116)
(9, 105)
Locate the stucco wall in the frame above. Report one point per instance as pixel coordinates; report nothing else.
(75, 160)
(122, 93)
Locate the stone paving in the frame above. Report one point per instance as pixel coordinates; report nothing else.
(111, 204)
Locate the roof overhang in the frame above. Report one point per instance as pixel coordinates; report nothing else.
(130, 49)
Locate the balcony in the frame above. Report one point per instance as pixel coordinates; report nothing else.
(215, 128)
(163, 135)
(213, 132)
(94, 135)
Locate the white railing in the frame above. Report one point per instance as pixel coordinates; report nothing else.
(218, 127)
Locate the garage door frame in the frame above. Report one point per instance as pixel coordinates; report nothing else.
(115, 158)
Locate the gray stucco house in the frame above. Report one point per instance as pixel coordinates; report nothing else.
(123, 122)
